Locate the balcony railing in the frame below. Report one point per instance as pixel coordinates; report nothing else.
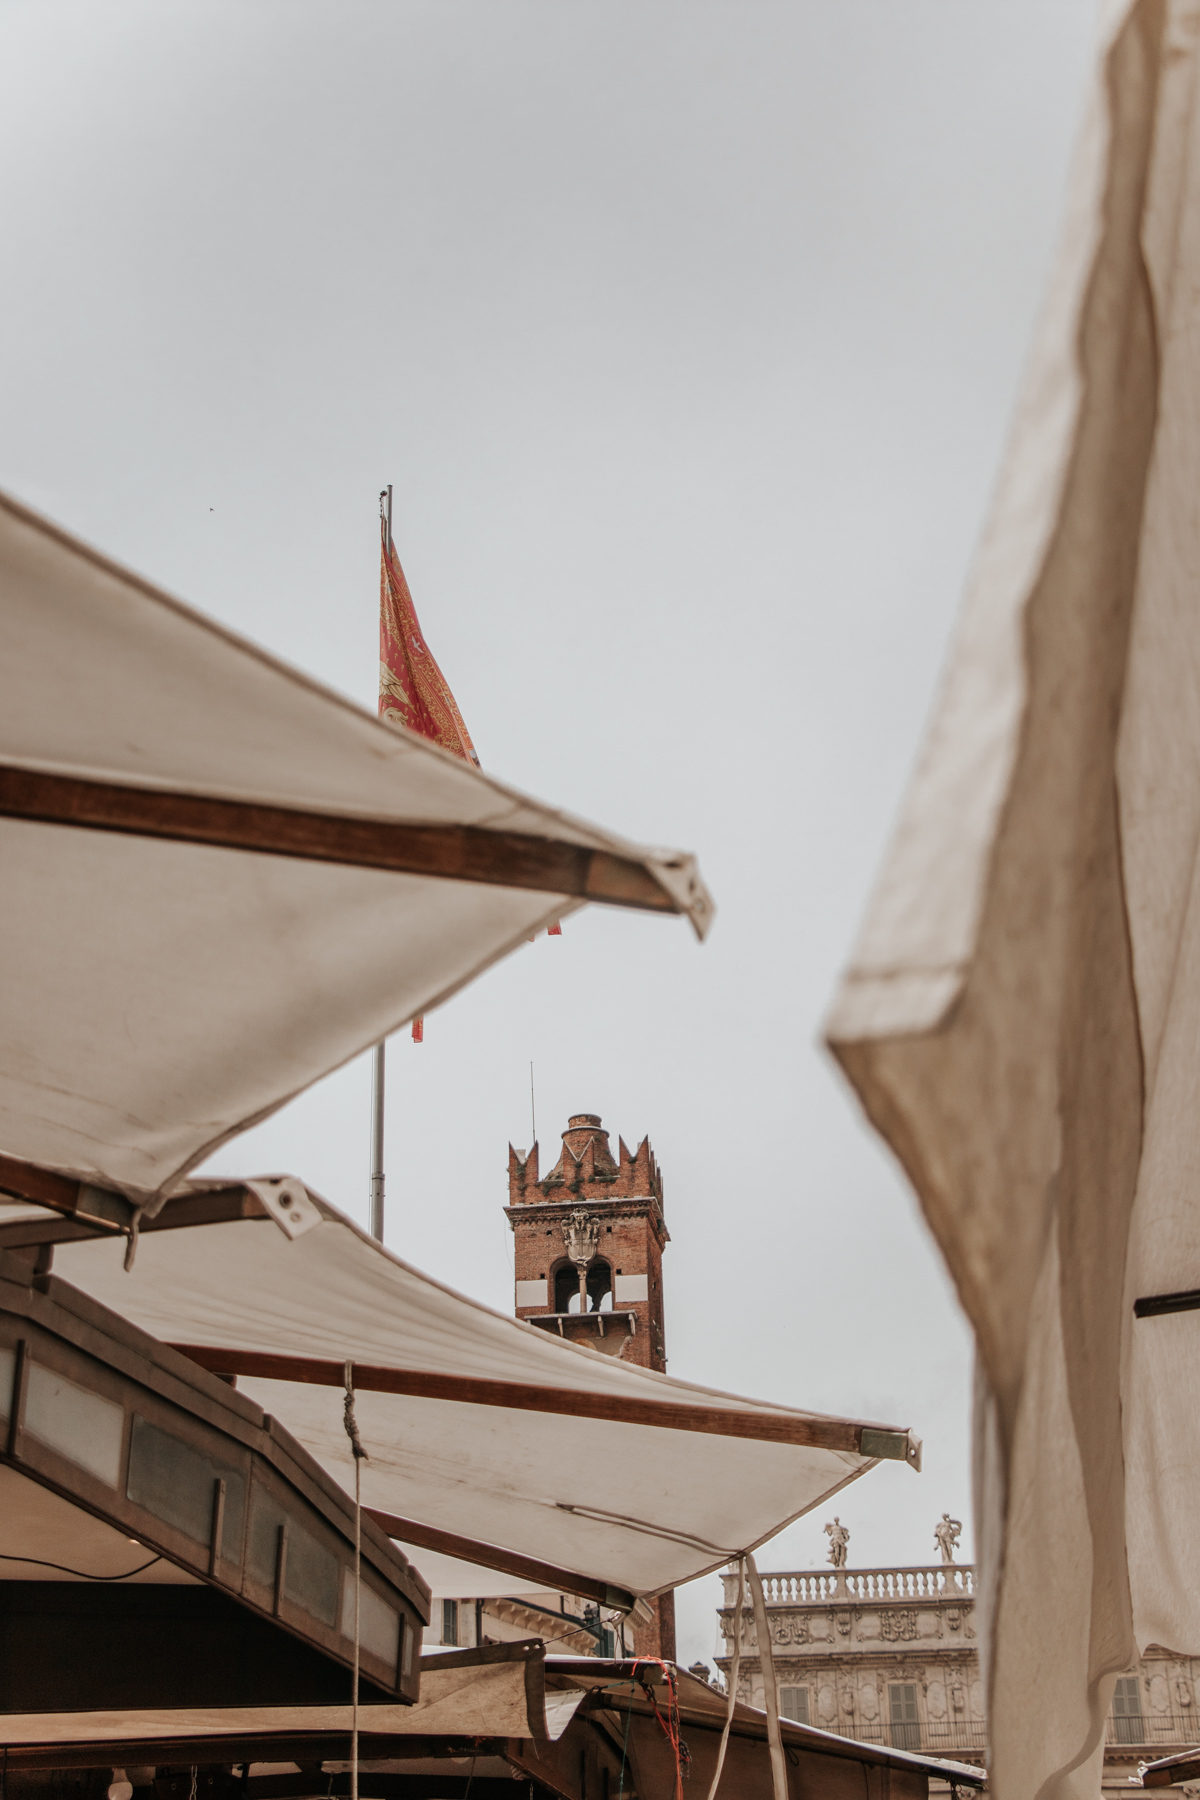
(1159, 1731)
(930, 1737)
(810, 1587)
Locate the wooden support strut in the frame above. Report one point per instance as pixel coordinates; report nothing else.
(218, 1525)
(492, 1556)
(450, 852)
(16, 1409)
(281, 1551)
(624, 1409)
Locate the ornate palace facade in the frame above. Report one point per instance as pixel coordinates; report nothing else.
(883, 1655)
(890, 1656)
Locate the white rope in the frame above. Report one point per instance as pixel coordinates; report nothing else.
(734, 1666)
(766, 1663)
(360, 1456)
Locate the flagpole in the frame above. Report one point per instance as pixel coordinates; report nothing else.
(377, 1096)
(378, 1058)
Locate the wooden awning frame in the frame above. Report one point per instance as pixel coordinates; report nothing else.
(506, 1562)
(598, 1736)
(86, 1210)
(446, 852)
(79, 1209)
(811, 1431)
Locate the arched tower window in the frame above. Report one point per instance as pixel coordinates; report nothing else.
(599, 1287)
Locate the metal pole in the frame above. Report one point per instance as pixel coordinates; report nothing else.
(378, 1061)
(377, 1099)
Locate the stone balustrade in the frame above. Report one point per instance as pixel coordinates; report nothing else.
(816, 1587)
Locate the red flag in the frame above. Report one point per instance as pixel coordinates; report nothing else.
(412, 689)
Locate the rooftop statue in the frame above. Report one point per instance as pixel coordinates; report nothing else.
(946, 1536)
(839, 1537)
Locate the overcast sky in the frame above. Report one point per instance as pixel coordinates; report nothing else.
(688, 335)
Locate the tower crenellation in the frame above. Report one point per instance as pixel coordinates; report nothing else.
(589, 1238)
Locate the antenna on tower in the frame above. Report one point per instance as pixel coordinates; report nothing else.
(532, 1111)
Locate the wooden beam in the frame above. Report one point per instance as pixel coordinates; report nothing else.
(83, 1211)
(450, 852)
(371, 1785)
(98, 1209)
(306, 1748)
(491, 1556)
(43, 1187)
(624, 1409)
(1182, 1768)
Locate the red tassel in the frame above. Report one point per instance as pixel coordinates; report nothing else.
(419, 1031)
(554, 931)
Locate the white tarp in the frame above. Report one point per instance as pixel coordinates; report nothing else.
(1022, 1013)
(641, 1507)
(161, 995)
(487, 1701)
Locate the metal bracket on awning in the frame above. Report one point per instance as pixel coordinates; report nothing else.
(287, 1201)
(891, 1446)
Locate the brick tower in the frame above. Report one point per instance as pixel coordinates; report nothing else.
(588, 1256)
(589, 1244)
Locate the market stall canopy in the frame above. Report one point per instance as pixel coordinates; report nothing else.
(567, 1726)
(626, 1713)
(486, 1437)
(1022, 1011)
(222, 880)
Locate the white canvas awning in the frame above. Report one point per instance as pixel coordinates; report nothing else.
(580, 1471)
(1022, 1013)
(222, 880)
